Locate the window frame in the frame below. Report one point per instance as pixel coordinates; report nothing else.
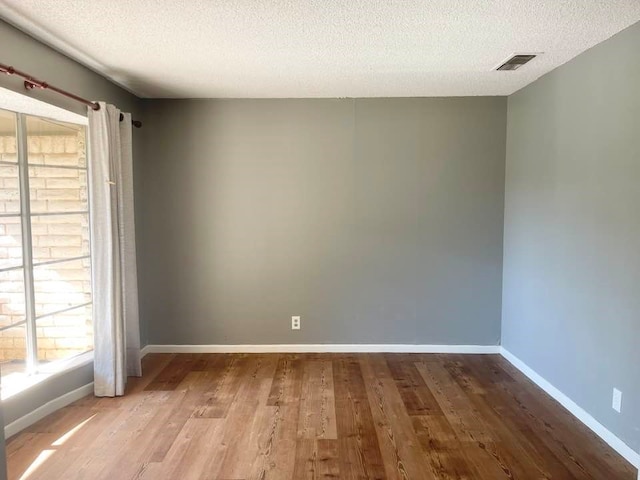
(34, 368)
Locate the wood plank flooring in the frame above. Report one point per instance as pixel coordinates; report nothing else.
(317, 416)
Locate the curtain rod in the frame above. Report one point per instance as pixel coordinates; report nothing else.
(30, 83)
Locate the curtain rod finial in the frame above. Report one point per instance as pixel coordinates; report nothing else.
(9, 70)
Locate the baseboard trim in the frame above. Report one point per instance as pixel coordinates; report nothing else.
(322, 348)
(611, 439)
(46, 409)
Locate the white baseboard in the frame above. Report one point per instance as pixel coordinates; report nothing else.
(614, 442)
(144, 351)
(46, 409)
(322, 348)
(618, 445)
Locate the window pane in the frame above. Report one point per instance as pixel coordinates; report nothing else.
(13, 354)
(10, 242)
(9, 189)
(9, 186)
(64, 335)
(59, 237)
(55, 190)
(55, 143)
(12, 308)
(56, 156)
(62, 285)
(8, 137)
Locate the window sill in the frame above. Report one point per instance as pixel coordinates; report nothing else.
(20, 383)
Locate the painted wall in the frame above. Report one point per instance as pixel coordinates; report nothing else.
(56, 386)
(25, 53)
(571, 299)
(376, 220)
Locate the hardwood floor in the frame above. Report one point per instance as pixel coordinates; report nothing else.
(317, 416)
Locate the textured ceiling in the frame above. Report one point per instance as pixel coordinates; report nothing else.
(319, 48)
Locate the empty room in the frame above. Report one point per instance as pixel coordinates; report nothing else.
(319, 239)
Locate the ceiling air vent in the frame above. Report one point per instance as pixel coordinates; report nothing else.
(516, 62)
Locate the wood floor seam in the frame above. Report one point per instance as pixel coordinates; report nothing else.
(313, 416)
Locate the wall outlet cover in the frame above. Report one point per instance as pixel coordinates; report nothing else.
(617, 400)
(295, 323)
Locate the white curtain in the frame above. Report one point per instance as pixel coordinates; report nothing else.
(113, 254)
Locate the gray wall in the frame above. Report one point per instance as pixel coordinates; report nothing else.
(25, 53)
(25, 402)
(377, 220)
(571, 300)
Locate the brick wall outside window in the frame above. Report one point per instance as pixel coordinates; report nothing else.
(58, 286)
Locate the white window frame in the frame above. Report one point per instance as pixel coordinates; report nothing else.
(23, 106)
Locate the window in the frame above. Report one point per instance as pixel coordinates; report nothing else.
(45, 269)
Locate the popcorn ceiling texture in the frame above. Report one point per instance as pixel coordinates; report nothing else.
(323, 48)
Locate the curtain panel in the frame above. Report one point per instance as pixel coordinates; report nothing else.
(113, 251)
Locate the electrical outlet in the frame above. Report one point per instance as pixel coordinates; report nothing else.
(295, 323)
(617, 400)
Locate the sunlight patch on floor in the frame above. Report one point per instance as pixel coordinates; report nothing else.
(46, 454)
(37, 463)
(60, 441)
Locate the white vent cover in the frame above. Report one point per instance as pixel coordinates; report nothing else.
(516, 61)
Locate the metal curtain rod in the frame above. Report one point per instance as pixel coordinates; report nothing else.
(30, 83)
